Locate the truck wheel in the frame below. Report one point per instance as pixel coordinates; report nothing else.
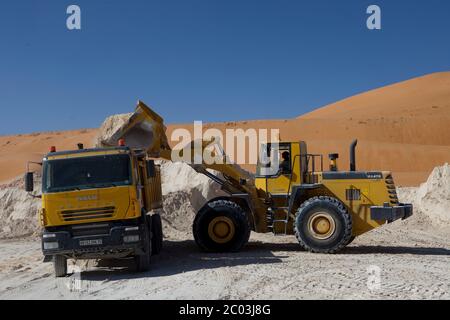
(157, 234)
(221, 226)
(142, 260)
(323, 225)
(60, 266)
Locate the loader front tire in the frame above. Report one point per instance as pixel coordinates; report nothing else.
(323, 225)
(221, 226)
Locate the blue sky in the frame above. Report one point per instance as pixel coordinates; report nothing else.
(209, 60)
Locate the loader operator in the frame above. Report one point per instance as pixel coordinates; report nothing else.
(285, 165)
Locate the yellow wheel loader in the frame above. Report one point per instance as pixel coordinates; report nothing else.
(325, 210)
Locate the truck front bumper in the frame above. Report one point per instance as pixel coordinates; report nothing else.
(119, 239)
(390, 214)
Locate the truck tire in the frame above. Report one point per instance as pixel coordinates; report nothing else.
(142, 260)
(323, 225)
(60, 266)
(221, 226)
(157, 234)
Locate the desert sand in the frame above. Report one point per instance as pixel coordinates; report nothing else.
(402, 127)
(412, 257)
(17, 150)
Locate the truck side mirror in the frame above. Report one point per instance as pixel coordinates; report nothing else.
(151, 170)
(29, 182)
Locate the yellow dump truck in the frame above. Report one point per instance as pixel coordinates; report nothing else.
(99, 204)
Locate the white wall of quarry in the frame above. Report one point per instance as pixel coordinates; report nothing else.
(431, 200)
(180, 177)
(18, 210)
(184, 192)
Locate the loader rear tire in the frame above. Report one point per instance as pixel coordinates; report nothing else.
(157, 234)
(60, 266)
(323, 225)
(221, 226)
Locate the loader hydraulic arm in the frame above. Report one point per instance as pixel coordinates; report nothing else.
(232, 178)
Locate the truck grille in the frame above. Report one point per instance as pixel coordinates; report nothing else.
(393, 198)
(90, 229)
(87, 214)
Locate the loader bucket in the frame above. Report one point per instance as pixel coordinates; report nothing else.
(144, 130)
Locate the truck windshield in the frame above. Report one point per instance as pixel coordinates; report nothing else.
(86, 173)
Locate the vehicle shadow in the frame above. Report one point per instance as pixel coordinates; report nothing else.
(421, 251)
(178, 257)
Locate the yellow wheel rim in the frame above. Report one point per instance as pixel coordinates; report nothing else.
(321, 225)
(221, 229)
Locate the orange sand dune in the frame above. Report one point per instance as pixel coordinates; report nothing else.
(403, 127)
(427, 96)
(16, 151)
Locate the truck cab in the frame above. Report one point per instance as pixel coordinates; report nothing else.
(99, 204)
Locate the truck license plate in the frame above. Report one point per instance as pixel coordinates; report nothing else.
(94, 242)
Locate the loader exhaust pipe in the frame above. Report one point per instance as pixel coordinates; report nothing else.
(353, 155)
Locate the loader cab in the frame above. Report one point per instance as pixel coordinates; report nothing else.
(275, 177)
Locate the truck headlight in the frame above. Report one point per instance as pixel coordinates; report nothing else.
(48, 235)
(132, 238)
(51, 245)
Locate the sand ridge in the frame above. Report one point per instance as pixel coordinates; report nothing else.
(403, 127)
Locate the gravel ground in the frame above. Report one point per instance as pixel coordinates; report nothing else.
(394, 262)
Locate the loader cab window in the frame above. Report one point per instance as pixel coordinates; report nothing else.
(285, 164)
(274, 160)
